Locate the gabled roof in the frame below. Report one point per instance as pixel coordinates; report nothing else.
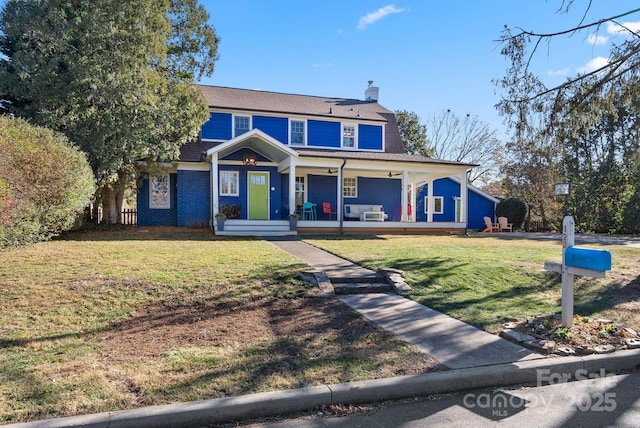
(275, 102)
(259, 142)
(223, 98)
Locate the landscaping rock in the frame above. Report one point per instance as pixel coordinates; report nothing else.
(542, 346)
(604, 349)
(309, 276)
(390, 271)
(565, 351)
(633, 343)
(395, 278)
(321, 279)
(585, 350)
(516, 336)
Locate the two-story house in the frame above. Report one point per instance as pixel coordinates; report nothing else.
(338, 163)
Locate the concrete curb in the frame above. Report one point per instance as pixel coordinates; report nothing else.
(221, 410)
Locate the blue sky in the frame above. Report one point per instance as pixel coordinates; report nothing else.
(426, 56)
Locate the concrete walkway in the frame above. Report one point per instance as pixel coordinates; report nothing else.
(453, 343)
(333, 266)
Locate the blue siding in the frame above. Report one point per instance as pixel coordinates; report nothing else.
(370, 137)
(218, 127)
(284, 197)
(324, 134)
(156, 217)
(194, 198)
(322, 188)
(276, 127)
(380, 191)
(479, 206)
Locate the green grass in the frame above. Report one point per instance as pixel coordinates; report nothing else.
(483, 280)
(59, 299)
(62, 301)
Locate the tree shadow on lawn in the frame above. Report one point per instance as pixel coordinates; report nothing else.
(431, 271)
(315, 342)
(588, 301)
(618, 293)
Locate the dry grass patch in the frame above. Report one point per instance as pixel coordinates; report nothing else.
(103, 321)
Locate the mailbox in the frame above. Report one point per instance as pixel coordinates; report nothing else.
(587, 258)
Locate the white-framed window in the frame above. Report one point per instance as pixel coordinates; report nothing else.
(350, 187)
(159, 191)
(297, 136)
(438, 204)
(300, 191)
(241, 124)
(229, 183)
(349, 136)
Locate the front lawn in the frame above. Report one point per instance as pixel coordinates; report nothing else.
(485, 279)
(111, 320)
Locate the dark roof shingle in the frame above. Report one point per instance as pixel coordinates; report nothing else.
(306, 105)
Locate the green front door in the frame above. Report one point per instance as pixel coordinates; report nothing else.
(258, 196)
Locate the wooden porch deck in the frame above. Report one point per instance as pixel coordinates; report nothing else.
(281, 228)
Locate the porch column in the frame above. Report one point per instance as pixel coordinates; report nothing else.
(430, 200)
(292, 186)
(405, 195)
(214, 186)
(414, 202)
(339, 198)
(464, 198)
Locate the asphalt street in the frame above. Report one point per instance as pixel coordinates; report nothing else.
(604, 401)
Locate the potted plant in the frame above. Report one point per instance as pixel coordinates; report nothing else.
(293, 221)
(220, 219)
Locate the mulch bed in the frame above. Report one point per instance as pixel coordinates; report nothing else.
(585, 336)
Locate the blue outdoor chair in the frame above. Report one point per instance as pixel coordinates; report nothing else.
(308, 211)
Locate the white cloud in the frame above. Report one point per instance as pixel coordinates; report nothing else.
(624, 28)
(561, 72)
(373, 17)
(594, 64)
(595, 39)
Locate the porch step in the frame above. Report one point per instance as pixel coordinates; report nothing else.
(360, 284)
(361, 287)
(256, 228)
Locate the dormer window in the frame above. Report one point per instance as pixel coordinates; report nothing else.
(349, 136)
(297, 137)
(241, 125)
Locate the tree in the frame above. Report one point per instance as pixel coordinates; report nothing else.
(413, 133)
(115, 77)
(466, 140)
(582, 131)
(514, 209)
(45, 183)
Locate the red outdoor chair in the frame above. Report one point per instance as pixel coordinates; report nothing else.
(326, 209)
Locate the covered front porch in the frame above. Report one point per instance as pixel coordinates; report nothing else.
(291, 177)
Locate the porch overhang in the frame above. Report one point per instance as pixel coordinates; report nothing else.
(257, 141)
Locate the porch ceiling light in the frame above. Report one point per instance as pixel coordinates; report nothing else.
(249, 160)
